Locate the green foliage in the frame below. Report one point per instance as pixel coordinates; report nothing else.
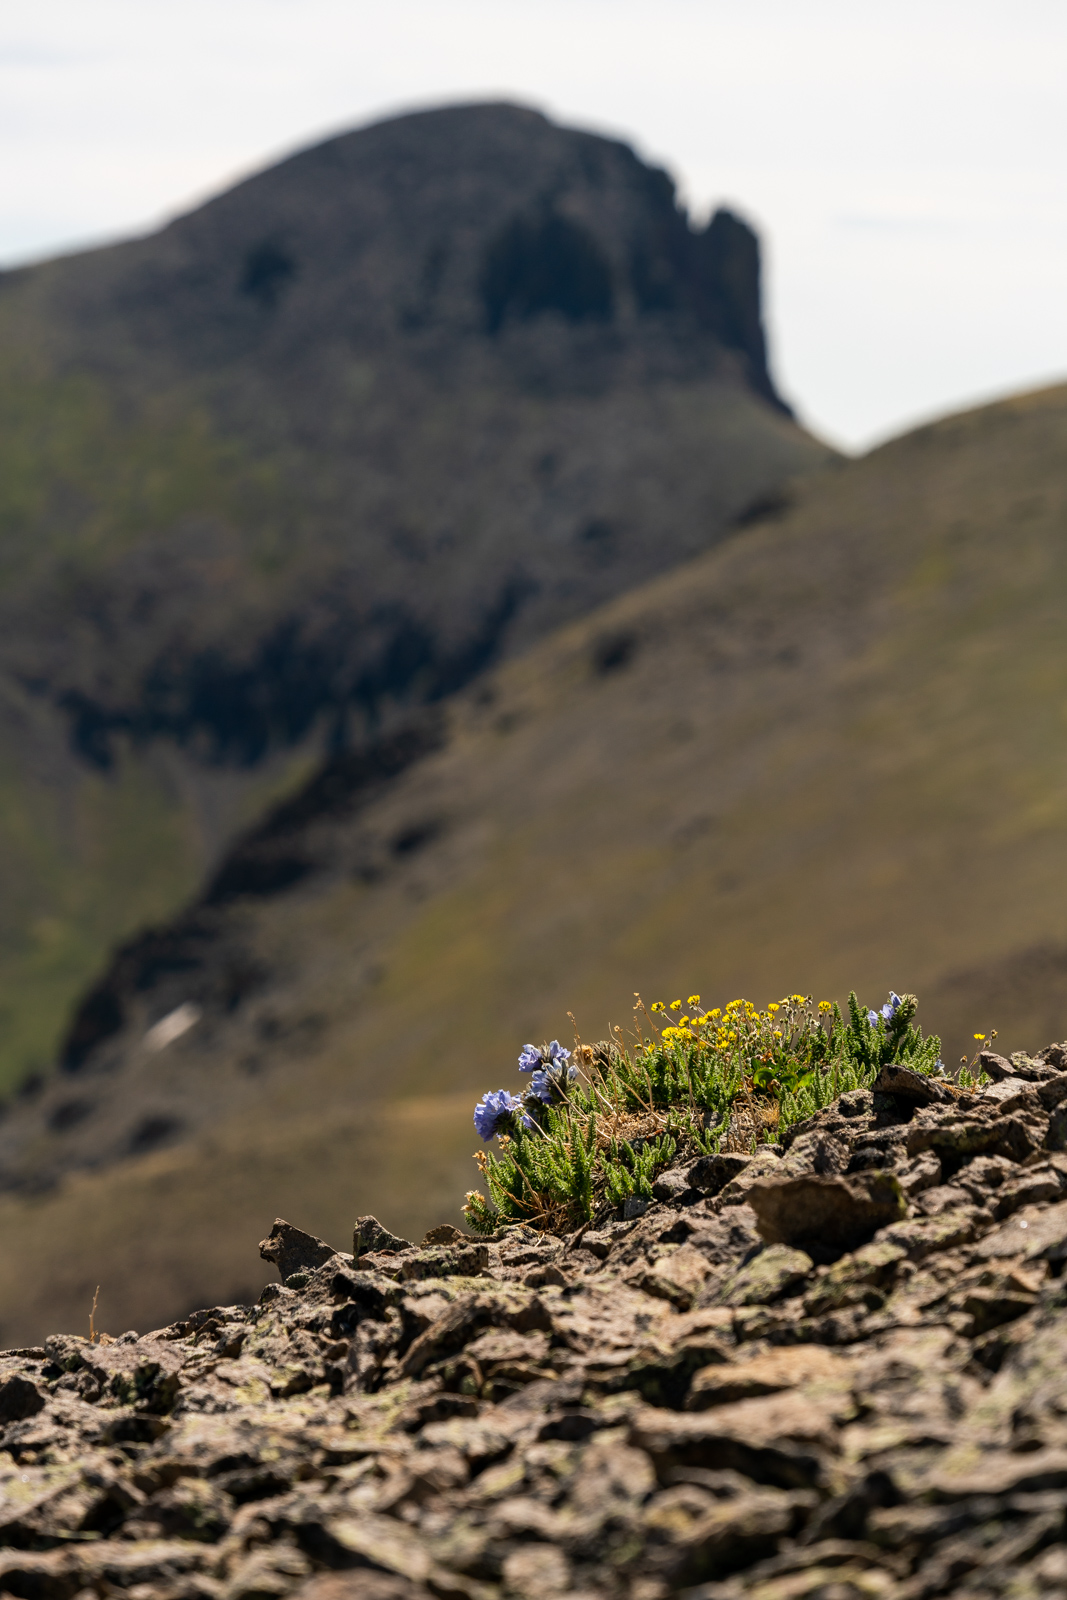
(630, 1168)
(589, 1136)
(558, 1163)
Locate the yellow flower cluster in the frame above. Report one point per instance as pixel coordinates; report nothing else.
(740, 1022)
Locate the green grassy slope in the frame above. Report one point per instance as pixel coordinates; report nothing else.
(175, 511)
(87, 855)
(830, 753)
(245, 517)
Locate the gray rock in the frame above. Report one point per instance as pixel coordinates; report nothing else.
(825, 1215)
(467, 1260)
(292, 1250)
(710, 1174)
(19, 1399)
(774, 1274)
(1051, 1092)
(767, 1159)
(1056, 1136)
(1012, 1094)
(1031, 1235)
(817, 1152)
(673, 1185)
(369, 1235)
(915, 1087)
(924, 1172)
(943, 1197)
(994, 1066)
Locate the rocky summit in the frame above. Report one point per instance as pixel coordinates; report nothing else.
(318, 453)
(829, 1369)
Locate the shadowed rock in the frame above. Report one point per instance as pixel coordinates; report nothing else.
(826, 1215)
(908, 1085)
(19, 1399)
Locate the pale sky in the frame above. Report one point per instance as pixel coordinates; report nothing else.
(905, 163)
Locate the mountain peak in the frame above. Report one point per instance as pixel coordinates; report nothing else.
(475, 222)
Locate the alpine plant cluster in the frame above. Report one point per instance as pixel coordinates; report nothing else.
(594, 1126)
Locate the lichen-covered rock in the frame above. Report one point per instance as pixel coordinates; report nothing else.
(774, 1273)
(681, 1402)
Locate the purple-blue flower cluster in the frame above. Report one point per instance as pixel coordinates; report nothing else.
(498, 1106)
(550, 1076)
(887, 1012)
(550, 1071)
(553, 1058)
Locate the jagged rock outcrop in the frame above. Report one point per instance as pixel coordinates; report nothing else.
(661, 1405)
(391, 377)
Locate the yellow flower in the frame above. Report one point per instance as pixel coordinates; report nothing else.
(715, 1013)
(980, 1036)
(824, 1005)
(684, 1021)
(773, 1007)
(676, 1005)
(694, 1000)
(657, 1005)
(797, 999)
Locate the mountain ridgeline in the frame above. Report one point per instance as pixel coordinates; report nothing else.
(385, 325)
(316, 455)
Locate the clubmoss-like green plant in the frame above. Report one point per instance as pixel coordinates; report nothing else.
(597, 1124)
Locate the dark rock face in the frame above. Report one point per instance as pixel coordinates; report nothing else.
(662, 1406)
(545, 264)
(378, 325)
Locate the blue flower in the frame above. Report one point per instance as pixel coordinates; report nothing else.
(556, 1053)
(541, 1086)
(887, 1012)
(548, 1083)
(493, 1108)
(530, 1059)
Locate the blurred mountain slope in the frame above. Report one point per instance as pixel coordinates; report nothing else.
(829, 753)
(318, 453)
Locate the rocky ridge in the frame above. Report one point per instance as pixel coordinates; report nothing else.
(833, 1368)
